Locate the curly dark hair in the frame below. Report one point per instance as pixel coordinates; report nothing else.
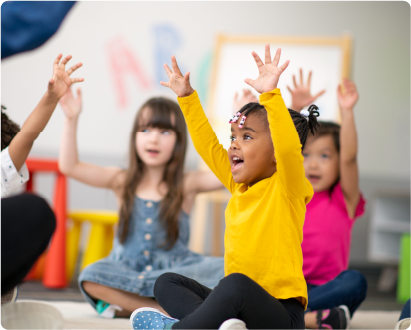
(303, 124)
(9, 129)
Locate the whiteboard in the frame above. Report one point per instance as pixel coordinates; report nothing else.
(233, 62)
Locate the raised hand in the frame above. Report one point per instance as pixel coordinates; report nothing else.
(70, 105)
(269, 73)
(301, 95)
(178, 83)
(347, 98)
(61, 80)
(246, 98)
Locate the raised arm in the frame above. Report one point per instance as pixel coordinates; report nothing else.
(301, 95)
(22, 143)
(204, 139)
(348, 146)
(287, 146)
(69, 164)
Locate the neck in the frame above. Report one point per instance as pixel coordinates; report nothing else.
(153, 176)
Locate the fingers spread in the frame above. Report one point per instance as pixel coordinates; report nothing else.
(74, 68)
(165, 84)
(277, 57)
(294, 81)
(301, 76)
(174, 64)
(267, 54)
(257, 60)
(57, 61)
(249, 82)
(309, 79)
(284, 66)
(64, 61)
(76, 80)
(168, 71)
(319, 93)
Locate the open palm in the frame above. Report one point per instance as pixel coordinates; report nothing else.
(347, 98)
(71, 106)
(269, 72)
(178, 83)
(301, 95)
(61, 80)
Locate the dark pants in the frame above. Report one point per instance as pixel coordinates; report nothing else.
(349, 288)
(27, 223)
(405, 314)
(235, 296)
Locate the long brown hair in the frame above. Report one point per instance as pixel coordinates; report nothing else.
(163, 113)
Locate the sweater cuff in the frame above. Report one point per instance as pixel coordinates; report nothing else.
(184, 101)
(267, 96)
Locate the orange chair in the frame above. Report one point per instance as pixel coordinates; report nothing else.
(54, 273)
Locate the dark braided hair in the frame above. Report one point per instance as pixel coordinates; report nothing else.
(302, 123)
(9, 129)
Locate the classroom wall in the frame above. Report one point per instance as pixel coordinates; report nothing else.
(123, 46)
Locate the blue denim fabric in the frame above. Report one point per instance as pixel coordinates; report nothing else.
(135, 265)
(405, 314)
(348, 288)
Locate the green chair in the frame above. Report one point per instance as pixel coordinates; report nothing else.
(403, 288)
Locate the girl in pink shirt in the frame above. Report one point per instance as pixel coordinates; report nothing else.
(330, 161)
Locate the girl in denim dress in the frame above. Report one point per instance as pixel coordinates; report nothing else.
(155, 197)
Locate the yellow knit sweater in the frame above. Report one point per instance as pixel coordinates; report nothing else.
(264, 222)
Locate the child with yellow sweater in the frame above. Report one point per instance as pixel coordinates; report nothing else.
(263, 169)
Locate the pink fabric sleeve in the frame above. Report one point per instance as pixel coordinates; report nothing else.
(338, 197)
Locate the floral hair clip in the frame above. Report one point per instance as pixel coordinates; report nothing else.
(235, 118)
(242, 122)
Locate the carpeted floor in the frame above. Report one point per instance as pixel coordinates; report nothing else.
(82, 316)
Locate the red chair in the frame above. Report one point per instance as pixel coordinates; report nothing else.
(54, 273)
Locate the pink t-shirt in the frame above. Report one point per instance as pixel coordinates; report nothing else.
(327, 236)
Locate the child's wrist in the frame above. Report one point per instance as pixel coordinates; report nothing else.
(51, 97)
(187, 93)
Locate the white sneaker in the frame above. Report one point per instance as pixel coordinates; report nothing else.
(403, 324)
(10, 296)
(30, 315)
(233, 324)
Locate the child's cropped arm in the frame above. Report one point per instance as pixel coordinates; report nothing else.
(348, 146)
(69, 164)
(22, 143)
(205, 140)
(287, 146)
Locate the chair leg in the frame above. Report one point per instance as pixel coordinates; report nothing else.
(96, 247)
(55, 267)
(73, 238)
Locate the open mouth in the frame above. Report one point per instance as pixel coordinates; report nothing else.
(153, 152)
(314, 178)
(237, 163)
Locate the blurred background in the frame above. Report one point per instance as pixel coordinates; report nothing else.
(123, 46)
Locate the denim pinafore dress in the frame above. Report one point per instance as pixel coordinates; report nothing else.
(135, 265)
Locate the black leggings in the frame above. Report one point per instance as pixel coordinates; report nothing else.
(27, 223)
(235, 296)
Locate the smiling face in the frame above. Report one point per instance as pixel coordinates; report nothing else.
(251, 152)
(154, 146)
(321, 162)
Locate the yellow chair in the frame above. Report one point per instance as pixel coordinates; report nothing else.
(100, 239)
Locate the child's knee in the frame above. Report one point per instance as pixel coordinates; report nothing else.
(162, 283)
(93, 289)
(234, 286)
(357, 281)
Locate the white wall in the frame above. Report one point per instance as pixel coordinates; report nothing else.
(154, 30)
